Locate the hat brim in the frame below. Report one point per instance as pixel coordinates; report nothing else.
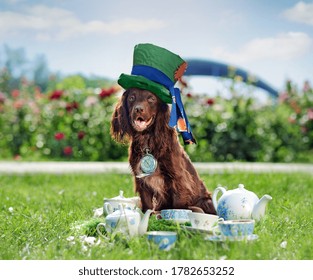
(134, 81)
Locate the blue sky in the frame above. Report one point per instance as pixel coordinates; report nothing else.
(271, 39)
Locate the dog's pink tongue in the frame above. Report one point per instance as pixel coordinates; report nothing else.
(141, 124)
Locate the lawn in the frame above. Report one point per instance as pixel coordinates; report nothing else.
(45, 217)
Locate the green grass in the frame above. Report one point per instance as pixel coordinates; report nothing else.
(46, 217)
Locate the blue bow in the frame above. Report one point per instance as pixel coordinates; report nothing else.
(178, 117)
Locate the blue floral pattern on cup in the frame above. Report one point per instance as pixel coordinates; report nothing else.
(164, 239)
(235, 229)
(175, 214)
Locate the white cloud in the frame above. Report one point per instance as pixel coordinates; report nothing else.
(301, 12)
(285, 46)
(47, 23)
(123, 25)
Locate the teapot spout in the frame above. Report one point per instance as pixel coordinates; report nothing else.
(259, 208)
(143, 226)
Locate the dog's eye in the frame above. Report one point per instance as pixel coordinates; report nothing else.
(151, 98)
(131, 98)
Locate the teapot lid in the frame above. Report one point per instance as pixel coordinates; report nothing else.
(241, 189)
(120, 199)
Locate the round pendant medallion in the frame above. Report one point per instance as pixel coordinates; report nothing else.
(148, 164)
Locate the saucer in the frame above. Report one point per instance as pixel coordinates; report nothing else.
(221, 239)
(190, 228)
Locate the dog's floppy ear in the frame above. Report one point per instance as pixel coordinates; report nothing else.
(120, 127)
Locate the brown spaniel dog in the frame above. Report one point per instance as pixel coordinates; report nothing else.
(170, 181)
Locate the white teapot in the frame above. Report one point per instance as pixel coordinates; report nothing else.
(128, 222)
(112, 204)
(239, 204)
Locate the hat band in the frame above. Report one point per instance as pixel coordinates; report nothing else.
(178, 116)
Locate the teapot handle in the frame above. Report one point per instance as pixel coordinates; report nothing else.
(214, 196)
(107, 208)
(107, 228)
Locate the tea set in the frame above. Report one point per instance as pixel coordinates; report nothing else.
(129, 222)
(237, 211)
(112, 204)
(234, 230)
(239, 204)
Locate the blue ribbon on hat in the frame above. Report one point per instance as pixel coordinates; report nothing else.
(178, 113)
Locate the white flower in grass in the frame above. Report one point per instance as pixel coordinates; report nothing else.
(70, 238)
(283, 244)
(223, 258)
(84, 248)
(11, 209)
(90, 240)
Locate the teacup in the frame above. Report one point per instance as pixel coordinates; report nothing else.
(164, 239)
(175, 215)
(234, 229)
(203, 221)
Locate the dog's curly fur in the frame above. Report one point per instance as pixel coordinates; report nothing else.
(141, 118)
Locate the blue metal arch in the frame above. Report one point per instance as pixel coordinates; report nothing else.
(217, 69)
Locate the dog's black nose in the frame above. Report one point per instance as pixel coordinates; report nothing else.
(139, 108)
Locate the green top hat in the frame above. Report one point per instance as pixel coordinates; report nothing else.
(166, 63)
(157, 70)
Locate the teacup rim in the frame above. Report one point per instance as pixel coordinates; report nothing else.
(188, 210)
(161, 233)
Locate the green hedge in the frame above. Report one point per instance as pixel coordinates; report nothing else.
(243, 129)
(72, 124)
(71, 121)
